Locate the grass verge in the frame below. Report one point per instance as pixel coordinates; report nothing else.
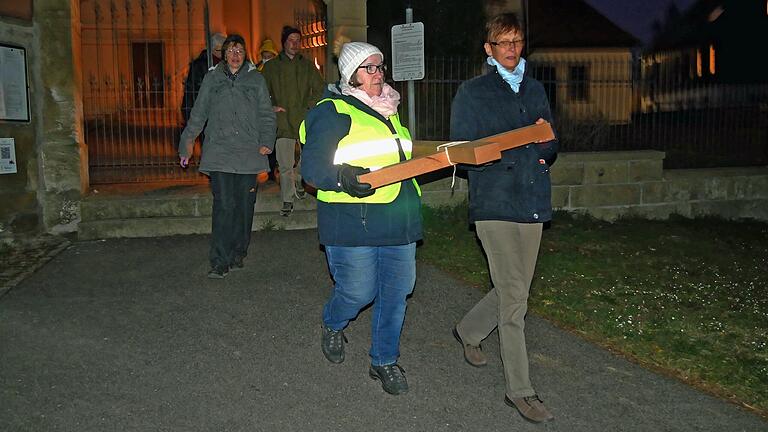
(688, 298)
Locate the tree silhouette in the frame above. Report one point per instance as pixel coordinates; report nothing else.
(672, 19)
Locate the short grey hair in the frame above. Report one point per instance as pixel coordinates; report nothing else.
(217, 39)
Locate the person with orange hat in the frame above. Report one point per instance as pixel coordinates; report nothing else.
(267, 52)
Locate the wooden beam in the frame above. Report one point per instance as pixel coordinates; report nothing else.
(475, 152)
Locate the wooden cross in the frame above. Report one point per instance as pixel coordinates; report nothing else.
(476, 152)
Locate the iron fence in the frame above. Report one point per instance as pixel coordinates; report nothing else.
(602, 105)
(314, 36)
(136, 56)
(434, 93)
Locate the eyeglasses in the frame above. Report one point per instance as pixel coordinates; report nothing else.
(237, 51)
(509, 44)
(371, 69)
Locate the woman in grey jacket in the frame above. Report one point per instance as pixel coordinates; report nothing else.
(240, 133)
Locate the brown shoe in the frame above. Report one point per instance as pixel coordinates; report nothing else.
(531, 408)
(473, 354)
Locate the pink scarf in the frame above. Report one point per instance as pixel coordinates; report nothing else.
(386, 104)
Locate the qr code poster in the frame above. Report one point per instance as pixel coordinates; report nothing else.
(7, 156)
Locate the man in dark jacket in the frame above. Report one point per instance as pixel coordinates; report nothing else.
(197, 70)
(509, 200)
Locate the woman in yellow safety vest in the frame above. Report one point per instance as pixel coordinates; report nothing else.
(369, 235)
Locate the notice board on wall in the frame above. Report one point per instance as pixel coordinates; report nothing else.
(8, 163)
(14, 86)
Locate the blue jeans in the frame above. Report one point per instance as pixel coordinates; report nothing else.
(384, 275)
(233, 198)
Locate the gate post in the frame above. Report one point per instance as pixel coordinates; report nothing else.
(58, 107)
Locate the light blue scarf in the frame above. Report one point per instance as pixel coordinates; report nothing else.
(513, 78)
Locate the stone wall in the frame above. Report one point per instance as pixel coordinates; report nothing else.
(612, 185)
(52, 159)
(18, 192)
(63, 155)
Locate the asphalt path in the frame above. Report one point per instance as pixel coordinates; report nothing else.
(129, 335)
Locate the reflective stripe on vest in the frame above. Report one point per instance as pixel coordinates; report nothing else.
(371, 149)
(369, 144)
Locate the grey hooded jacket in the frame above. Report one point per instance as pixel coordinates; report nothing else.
(239, 120)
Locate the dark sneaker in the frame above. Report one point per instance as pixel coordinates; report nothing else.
(333, 344)
(392, 378)
(531, 408)
(473, 354)
(218, 272)
(287, 209)
(237, 264)
(300, 192)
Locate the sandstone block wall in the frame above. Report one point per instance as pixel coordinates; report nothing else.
(611, 185)
(18, 191)
(52, 158)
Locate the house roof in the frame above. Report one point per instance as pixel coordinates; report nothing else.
(573, 24)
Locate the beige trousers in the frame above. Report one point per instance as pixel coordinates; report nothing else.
(512, 249)
(290, 176)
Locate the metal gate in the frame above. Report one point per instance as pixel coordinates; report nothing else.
(314, 40)
(136, 55)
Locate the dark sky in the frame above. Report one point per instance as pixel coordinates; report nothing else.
(636, 16)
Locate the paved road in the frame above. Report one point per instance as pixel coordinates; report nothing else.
(129, 335)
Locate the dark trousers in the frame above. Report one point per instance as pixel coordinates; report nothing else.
(233, 198)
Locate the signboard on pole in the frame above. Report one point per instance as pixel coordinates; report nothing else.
(408, 51)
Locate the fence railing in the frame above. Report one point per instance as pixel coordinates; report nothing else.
(610, 105)
(136, 58)
(133, 88)
(314, 36)
(434, 93)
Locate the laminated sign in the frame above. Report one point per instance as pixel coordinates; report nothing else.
(14, 88)
(408, 52)
(7, 156)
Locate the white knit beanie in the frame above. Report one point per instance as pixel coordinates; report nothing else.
(352, 55)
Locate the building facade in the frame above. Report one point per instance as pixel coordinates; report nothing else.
(103, 82)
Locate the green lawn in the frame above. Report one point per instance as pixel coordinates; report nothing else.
(685, 297)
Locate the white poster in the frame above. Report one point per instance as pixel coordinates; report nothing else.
(408, 52)
(7, 156)
(14, 101)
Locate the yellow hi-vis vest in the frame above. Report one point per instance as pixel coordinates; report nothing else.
(369, 144)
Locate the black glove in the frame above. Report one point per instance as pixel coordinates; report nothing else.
(347, 181)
